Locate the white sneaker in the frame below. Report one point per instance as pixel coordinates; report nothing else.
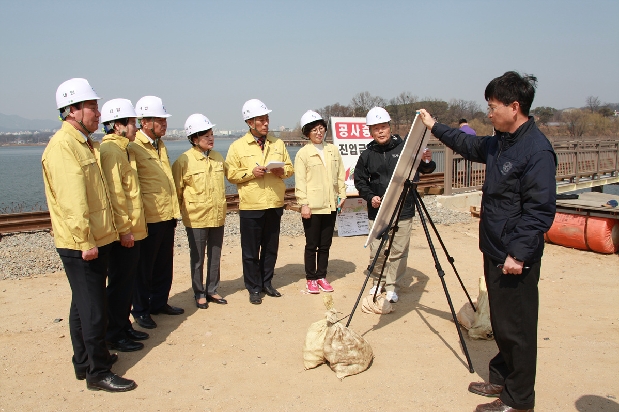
(392, 296)
(374, 290)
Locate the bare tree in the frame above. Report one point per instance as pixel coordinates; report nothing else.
(593, 103)
(362, 102)
(576, 122)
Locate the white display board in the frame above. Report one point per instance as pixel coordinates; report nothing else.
(409, 158)
(353, 219)
(350, 136)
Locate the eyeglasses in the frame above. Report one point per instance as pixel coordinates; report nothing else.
(318, 129)
(492, 109)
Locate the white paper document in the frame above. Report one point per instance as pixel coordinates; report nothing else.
(274, 165)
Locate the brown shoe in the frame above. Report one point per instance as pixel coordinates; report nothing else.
(498, 406)
(485, 389)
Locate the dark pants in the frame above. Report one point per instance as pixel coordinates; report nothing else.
(120, 284)
(318, 238)
(155, 268)
(259, 245)
(514, 303)
(87, 318)
(201, 239)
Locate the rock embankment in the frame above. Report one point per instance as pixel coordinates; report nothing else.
(32, 254)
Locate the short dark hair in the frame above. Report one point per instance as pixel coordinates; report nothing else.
(512, 87)
(308, 127)
(463, 120)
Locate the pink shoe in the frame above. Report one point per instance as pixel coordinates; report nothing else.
(324, 285)
(312, 287)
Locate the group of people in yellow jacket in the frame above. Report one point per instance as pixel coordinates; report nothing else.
(114, 208)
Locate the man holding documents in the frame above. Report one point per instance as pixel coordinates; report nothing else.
(258, 164)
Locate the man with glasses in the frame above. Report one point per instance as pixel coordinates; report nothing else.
(373, 172)
(155, 267)
(83, 224)
(518, 207)
(258, 164)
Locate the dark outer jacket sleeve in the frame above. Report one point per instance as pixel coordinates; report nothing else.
(473, 148)
(538, 200)
(362, 180)
(426, 168)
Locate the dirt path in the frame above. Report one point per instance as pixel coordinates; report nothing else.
(246, 357)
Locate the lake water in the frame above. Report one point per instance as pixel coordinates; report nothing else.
(21, 180)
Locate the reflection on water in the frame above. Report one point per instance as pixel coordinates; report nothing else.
(21, 181)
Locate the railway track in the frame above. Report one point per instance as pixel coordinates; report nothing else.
(34, 221)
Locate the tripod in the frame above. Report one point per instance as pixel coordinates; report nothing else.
(409, 187)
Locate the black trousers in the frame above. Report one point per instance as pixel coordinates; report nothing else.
(122, 271)
(155, 268)
(87, 317)
(259, 246)
(201, 240)
(318, 238)
(514, 304)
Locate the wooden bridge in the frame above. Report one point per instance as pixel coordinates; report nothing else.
(582, 164)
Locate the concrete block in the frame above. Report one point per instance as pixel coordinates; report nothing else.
(460, 201)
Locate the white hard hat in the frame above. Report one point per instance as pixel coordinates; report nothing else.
(197, 123)
(308, 117)
(254, 108)
(151, 106)
(117, 109)
(377, 115)
(74, 91)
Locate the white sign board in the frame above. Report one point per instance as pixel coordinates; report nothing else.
(353, 220)
(350, 136)
(405, 169)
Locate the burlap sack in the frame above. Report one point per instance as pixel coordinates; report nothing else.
(313, 354)
(477, 323)
(481, 327)
(382, 306)
(346, 351)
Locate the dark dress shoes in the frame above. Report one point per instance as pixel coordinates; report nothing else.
(271, 291)
(498, 406)
(201, 305)
(168, 310)
(126, 345)
(485, 389)
(254, 298)
(80, 376)
(220, 301)
(145, 321)
(112, 383)
(136, 334)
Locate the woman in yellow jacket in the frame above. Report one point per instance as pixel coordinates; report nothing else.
(118, 118)
(320, 190)
(199, 179)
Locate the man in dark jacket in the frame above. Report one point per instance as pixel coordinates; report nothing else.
(373, 172)
(518, 207)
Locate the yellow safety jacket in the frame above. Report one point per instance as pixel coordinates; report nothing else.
(258, 193)
(318, 185)
(156, 181)
(76, 192)
(119, 166)
(200, 188)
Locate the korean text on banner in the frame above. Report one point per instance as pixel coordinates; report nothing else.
(350, 136)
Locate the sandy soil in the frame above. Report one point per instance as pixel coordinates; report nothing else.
(246, 357)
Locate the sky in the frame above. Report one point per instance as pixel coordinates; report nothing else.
(210, 57)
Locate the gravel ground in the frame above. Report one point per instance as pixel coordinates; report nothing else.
(32, 254)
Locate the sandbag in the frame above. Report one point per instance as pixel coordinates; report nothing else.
(481, 327)
(313, 354)
(347, 352)
(382, 306)
(477, 322)
(598, 234)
